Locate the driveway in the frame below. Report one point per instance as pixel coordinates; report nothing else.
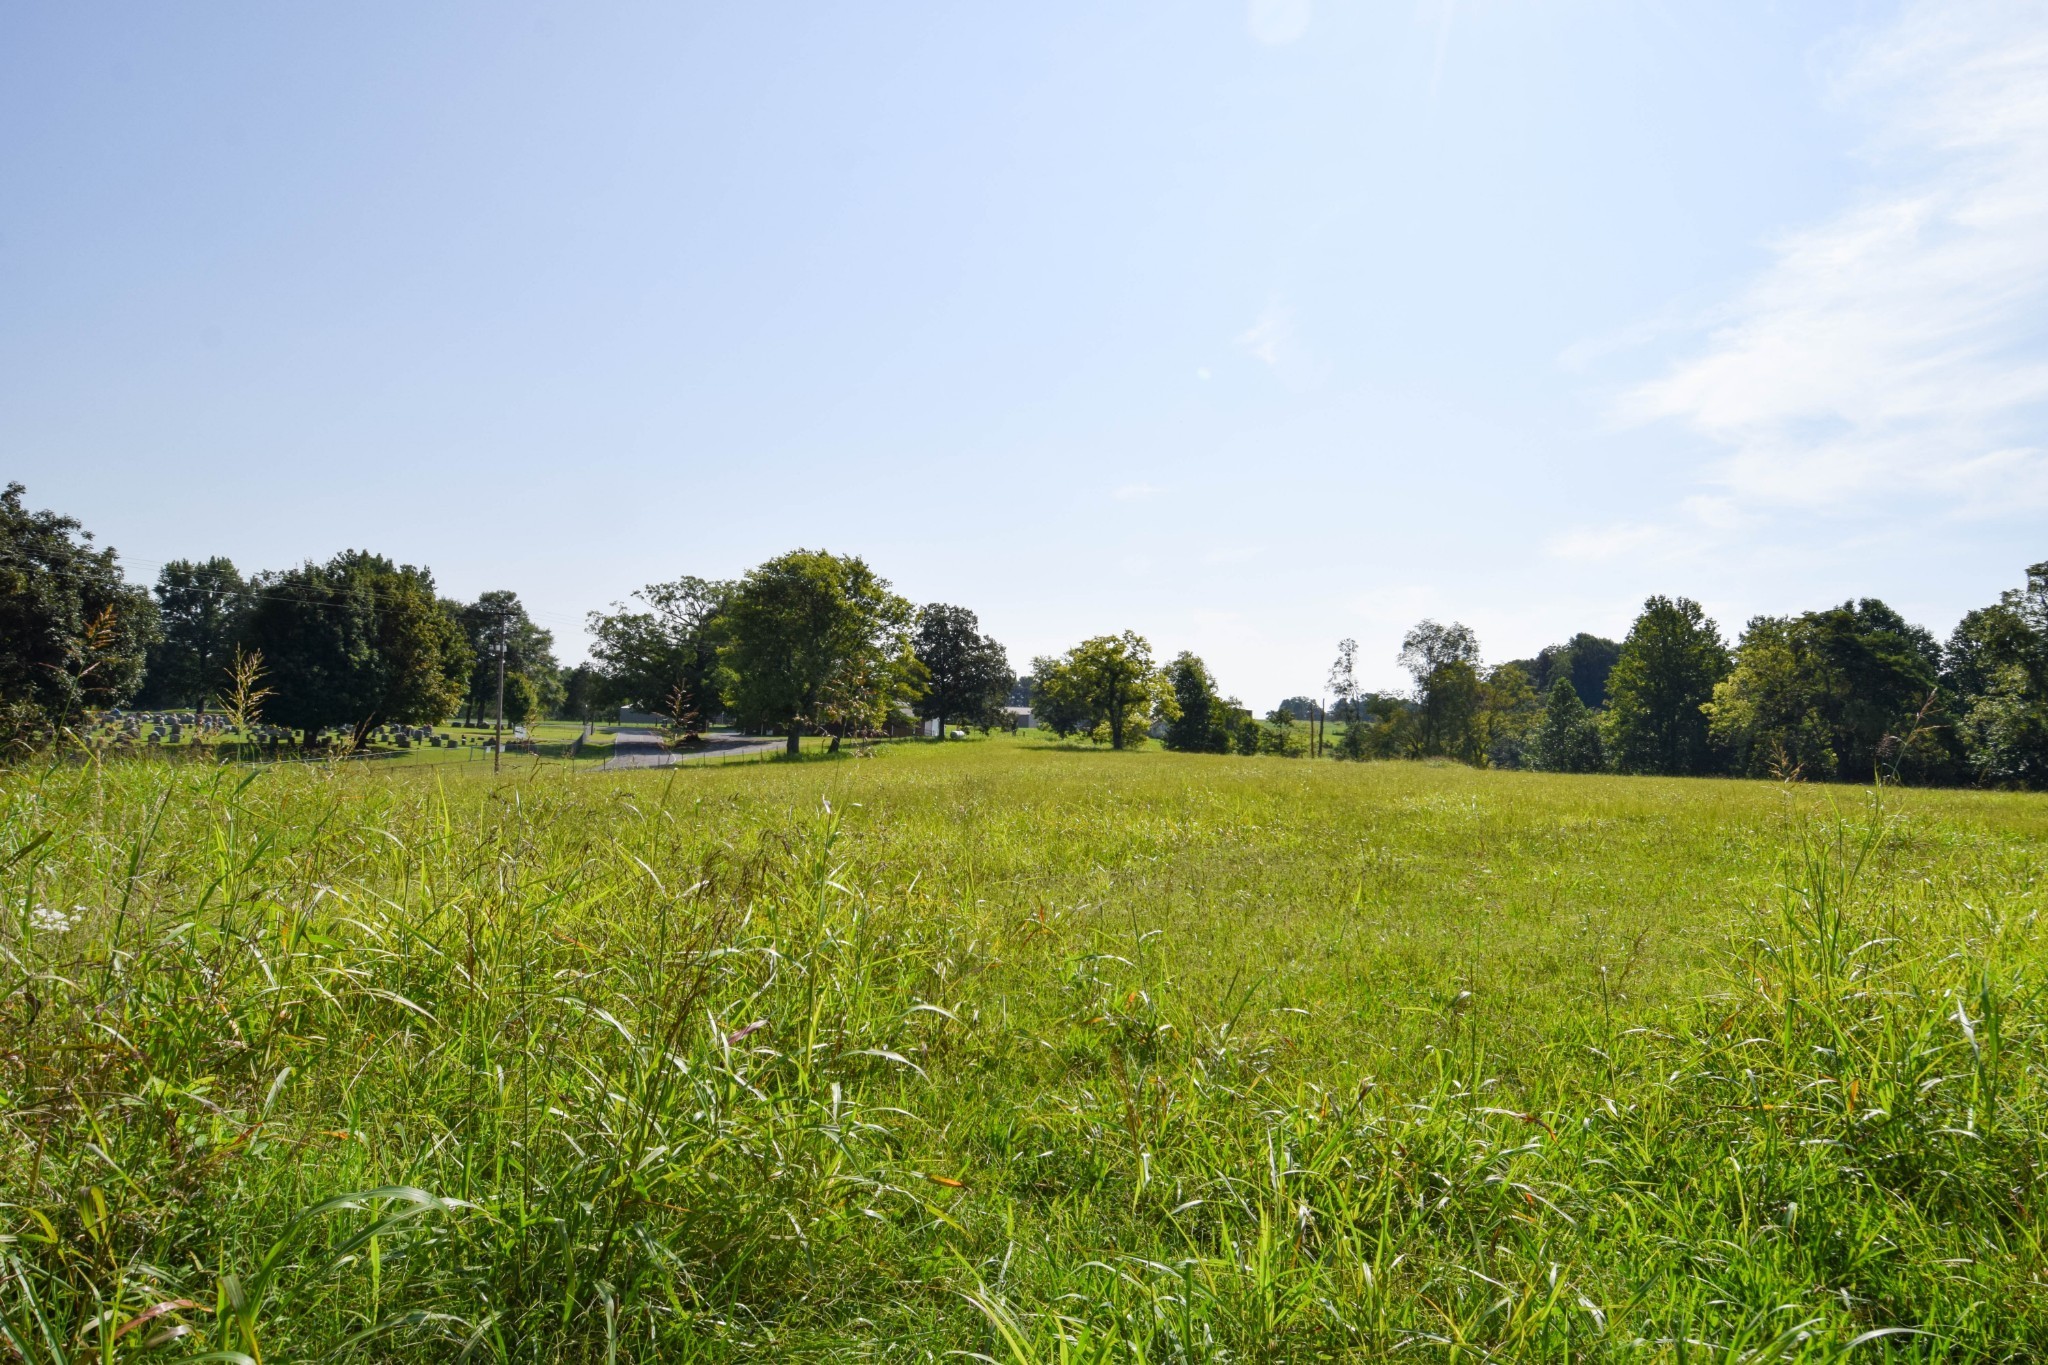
(643, 749)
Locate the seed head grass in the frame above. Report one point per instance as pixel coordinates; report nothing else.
(1018, 1052)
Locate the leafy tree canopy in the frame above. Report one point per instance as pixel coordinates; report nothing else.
(1568, 739)
(357, 642)
(810, 627)
(967, 674)
(667, 653)
(498, 620)
(1106, 687)
(201, 608)
(1996, 671)
(1206, 720)
(73, 633)
(1838, 695)
(1660, 687)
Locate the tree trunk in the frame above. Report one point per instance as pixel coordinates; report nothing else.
(1116, 722)
(942, 725)
(838, 733)
(795, 732)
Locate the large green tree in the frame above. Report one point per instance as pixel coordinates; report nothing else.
(73, 633)
(201, 607)
(1444, 661)
(667, 653)
(355, 643)
(1568, 738)
(1996, 673)
(1206, 720)
(495, 622)
(968, 674)
(1659, 690)
(810, 629)
(1846, 694)
(1509, 712)
(1584, 659)
(1106, 687)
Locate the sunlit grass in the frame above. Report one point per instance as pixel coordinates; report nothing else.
(1004, 1048)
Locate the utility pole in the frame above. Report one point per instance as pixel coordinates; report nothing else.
(498, 741)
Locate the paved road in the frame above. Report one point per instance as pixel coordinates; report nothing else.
(642, 749)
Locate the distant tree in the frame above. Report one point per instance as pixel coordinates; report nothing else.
(1283, 735)
(356, 643)
(582, 692)
(1106, 686)
(1343, 682)
(1304, 708)
(968, 673)
(201, 607)
(1509, 712)
(73, 633)
(1385, 728)
(1568, 740)
(1444, 661)
(1996, 673)
(1840, 695)
(498, 620)
(1584, 659)
(1203, 725)
(1661, 684)
(804, 623)
(669, 652)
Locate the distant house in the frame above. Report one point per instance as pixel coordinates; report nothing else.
(1019, 718)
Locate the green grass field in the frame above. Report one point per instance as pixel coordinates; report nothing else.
(1005, 1048)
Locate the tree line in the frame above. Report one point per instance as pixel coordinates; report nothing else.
(813, 642)
(807, 642)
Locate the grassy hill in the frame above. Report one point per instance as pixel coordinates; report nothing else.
(1005, 1048)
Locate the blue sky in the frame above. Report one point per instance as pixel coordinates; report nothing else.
(1244, 327)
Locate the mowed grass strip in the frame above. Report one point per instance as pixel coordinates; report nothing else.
(1005, 1048)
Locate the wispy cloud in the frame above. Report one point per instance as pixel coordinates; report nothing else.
(1276, 343)
(1132, 492)
(1278, 21)
(1899, 348)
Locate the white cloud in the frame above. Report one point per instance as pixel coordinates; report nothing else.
(1596, 543)
(1275, 342)
(1132, 492)
(1278, 21)
(1899, 348)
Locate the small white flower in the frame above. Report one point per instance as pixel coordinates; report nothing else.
(52, 921)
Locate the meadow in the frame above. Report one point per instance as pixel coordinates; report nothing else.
(1020, 1051)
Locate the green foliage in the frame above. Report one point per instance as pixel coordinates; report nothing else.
(1203, 724)
(1444, 661)
(1383, 727)
(1568, 740)
(584, 695)
(1585, 660)
(73, 633)
(1656, 720)
(670, 653)
(1016, 1051)
(967, 674)
(809, 631)
(1282, 736)
(533, 685)
(201, 610)
(1105, 687)
(1836, 695)
(1509, 712)
(1996, 672)
(355, 643)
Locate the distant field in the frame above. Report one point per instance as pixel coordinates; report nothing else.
(1008, 1048)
